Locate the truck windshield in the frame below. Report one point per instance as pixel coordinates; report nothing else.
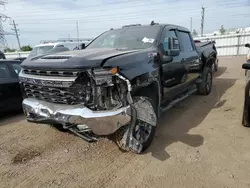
(40, 50)
(127, 38)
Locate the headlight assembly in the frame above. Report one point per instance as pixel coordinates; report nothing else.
(104, 76)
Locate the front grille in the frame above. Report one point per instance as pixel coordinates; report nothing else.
(60, 90)
(50, 94)
(51, 73)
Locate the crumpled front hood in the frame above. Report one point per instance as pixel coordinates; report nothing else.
(79, 59)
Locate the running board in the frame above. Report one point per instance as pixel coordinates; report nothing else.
(174, 102)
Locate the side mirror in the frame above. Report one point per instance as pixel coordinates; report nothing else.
(83, 46)
(247, 45)
(171, 47)
(246, 66)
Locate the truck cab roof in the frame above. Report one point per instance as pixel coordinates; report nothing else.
(155, 25)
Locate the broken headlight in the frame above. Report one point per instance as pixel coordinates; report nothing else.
(104, 76)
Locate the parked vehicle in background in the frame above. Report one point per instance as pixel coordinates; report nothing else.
(246, 108)
(49, 48)
(119, 85)
(208, 44)
(2, 56)
(10, 93)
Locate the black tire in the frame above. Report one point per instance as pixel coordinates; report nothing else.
(118, 136)
(244, 122)
(205, 87)
(245, 114)
(216, 66)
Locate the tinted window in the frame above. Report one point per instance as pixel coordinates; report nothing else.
(4, 71)
(127, 38)
(16, 67)
(185, 42)
(169, 33)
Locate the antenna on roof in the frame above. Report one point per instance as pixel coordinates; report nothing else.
(131, 25)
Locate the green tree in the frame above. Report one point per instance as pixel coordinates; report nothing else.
(26, 48)
(194, 33)
(9, 50)
(222, 30)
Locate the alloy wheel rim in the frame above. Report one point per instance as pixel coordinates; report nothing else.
(142, 131)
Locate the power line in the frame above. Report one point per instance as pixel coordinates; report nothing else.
(27, 19)
(48, 11)
(90, 18)
(83, 15)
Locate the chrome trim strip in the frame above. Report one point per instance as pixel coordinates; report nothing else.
(75, 110)
(100, 122)
(47, 78)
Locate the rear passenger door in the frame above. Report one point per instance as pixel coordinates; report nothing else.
(190, 57)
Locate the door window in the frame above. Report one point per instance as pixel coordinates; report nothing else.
(185, 42)
(16, 67)
(4, 71)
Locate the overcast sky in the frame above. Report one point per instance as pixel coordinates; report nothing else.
(52, 19)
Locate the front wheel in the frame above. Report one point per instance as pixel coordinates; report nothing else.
(144, 130)
(205, 87)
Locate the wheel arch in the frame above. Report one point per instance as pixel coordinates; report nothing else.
(150, 89)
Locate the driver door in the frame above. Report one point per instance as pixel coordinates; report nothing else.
(174, 72)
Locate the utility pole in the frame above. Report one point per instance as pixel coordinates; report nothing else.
(191, 24)
(77, 32)
(3, 42)
(16, 32)
(202, 20)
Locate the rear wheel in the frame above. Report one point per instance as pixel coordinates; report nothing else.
(205, 87)
(216, 66)
(143, 132)
(245, 115)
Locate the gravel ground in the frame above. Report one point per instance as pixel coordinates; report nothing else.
(198, 143)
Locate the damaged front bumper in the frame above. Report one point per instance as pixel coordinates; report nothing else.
(100, 122)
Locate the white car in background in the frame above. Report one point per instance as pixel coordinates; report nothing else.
(46, 48)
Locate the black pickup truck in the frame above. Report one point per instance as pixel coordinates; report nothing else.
(119, 85)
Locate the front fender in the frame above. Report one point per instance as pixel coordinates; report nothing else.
(134, 64)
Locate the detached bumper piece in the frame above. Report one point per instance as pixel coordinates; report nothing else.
(99, 122)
